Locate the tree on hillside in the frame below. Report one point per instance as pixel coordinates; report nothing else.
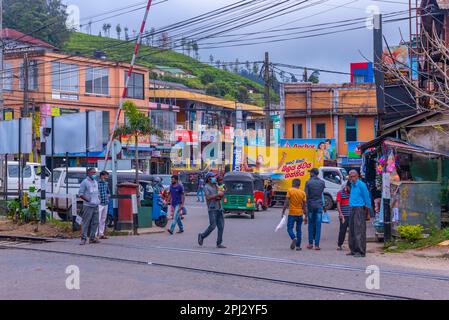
(293, 79)
(248, 66)
(218, 64)
(314, 77)
(105, 29)
(138, 125)
(189, 47)
(242, 94)
(211, 59)
(43, 19)
(207, 78)
(164, 40)
(126, 33)
(256, 68)
(236, 66)
(183, 45)
(152, 34)
(195, 49)
(118, 28)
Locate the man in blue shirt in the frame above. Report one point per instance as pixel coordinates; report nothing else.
(177, 202)
(360, 205)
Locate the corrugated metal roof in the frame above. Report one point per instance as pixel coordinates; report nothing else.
(187, 95)
(19, 36)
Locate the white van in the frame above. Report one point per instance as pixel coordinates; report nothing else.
(334, 177)
(69, 182)
(31, 176)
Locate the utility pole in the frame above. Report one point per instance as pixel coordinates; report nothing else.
(26, 110)
(380, 96)
(3, 167)
(267, 100)
(305, 77)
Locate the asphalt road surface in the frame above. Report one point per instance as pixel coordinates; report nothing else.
(257, 265)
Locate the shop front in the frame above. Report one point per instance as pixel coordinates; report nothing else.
(411, 179)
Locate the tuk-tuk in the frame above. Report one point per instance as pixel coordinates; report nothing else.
(239, 194)
(260, 195)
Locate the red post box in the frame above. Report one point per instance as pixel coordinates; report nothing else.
(125, 208)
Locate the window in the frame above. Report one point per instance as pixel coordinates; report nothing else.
(33, 76)
(332, 176)
(297, 131)
(13, 171)
(106, 123)
(359, 79)
(136, 86)
(351, 129)
(65, 77)
(97, 81)
(320, 130)
(8, 77)
(164, 120)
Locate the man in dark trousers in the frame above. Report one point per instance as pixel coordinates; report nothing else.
(216, 217)
(315, 202)
(360, 204)
(90, 194)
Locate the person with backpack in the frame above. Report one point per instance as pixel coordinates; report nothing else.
(315, 207)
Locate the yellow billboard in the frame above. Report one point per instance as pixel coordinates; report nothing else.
(283, 165)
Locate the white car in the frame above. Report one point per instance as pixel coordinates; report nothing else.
(31, 174)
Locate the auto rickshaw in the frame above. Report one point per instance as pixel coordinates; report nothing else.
(239, 194)
(260, 195)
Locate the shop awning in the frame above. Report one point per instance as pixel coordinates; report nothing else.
(408, 147)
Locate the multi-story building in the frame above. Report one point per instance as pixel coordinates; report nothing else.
(59, 83)
(346, 113)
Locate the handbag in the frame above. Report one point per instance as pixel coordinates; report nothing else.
(326, 218)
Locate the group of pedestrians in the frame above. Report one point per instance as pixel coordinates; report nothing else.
(95, 193)
(308, 206)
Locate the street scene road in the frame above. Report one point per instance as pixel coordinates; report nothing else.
(175, 150)
(180, 265)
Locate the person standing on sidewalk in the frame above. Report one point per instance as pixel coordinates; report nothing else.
(90, 194)
(344, 213)
(360, 204)
(103, 188)
(297, 213)
(315, 203)
(177, 203)
(200, 192)
(216, 215)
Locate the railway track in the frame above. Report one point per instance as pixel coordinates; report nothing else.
(355, 292)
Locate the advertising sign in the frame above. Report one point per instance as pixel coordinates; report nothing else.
(354, 151)
(283, 165)
(186, 136)
(326, 148)
(129, 140)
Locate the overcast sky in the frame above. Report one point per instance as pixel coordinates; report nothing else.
(331, 52)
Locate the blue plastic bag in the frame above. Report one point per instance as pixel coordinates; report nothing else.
(326, 218)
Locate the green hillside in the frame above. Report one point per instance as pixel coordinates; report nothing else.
(216, 81)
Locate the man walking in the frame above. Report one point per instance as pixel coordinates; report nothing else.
(90, 194)
(344, 213)
(360, 204)
(297, 213)
(103, 188)
(216, 217)
(315, 203)
(200, 192)
(177, 203)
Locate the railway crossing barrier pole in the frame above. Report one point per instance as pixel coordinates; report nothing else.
(135, 209)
